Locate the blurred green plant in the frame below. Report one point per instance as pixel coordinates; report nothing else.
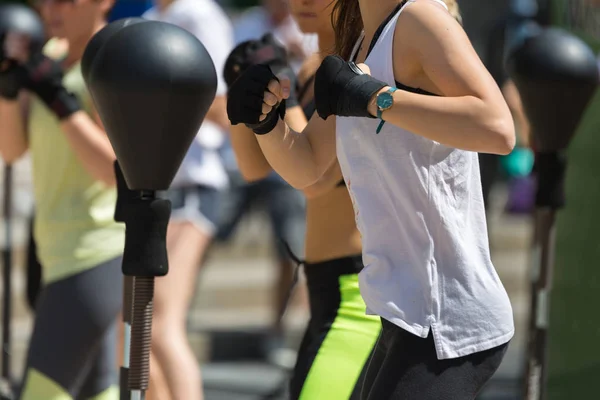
(574, 365)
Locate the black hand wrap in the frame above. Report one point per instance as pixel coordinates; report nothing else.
(342, 89)
(266, 51)
(245, 100)
(44, 78)
(12, 79)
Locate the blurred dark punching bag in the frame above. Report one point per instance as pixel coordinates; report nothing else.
(557, 75)
(152, 84)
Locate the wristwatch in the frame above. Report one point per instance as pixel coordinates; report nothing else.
(385, 101)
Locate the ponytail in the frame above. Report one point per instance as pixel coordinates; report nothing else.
(454, 10)
(347, 26)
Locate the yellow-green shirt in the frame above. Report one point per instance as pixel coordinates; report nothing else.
(74, 226)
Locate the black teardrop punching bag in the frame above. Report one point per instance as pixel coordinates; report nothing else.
(152, 84)
(556, 75)
(19, 18)
(100, 38)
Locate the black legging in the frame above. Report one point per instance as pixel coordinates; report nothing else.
(339, 337)
(34, 270)
(406, 367)
(73, 346)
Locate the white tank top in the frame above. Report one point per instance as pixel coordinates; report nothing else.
(419, 209)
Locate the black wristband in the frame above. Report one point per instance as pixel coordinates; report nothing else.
(360, 92)
(270, 122)
(64, 104)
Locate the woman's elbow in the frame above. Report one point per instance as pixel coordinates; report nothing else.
(500, 137)
(251, 175)
(108, 179)
(10, 156)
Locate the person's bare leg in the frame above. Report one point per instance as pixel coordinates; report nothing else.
(158, 388)
(173, 293)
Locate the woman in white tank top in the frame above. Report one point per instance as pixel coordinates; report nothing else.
(407, 128)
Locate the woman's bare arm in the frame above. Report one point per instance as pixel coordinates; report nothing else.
(471, 114)
(13, 135)
(91, 146)
(300, 158)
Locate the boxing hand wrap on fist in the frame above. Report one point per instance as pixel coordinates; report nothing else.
(44, 78)
(268, 51)
(342, 89)
(250, 100)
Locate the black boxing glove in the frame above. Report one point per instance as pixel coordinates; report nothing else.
(11, 80)
(342, 89)
(44, 78)
(245, 100)
(267, 50)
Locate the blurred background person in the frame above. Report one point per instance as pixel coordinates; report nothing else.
(56, 48)
(508, 31)
(46, 109)
(339, 332)
(273, 16)
(283, 205)
(195, 195)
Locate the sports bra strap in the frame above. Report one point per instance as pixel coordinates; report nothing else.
(304, 88)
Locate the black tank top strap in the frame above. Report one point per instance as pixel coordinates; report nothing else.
(304, 88)
(376, 38)
(299, 263)
(309, 109)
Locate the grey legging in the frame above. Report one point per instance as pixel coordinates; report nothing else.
(75, 332)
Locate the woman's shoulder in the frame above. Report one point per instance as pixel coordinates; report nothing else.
(424, 14)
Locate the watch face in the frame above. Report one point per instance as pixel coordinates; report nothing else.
(385, 101)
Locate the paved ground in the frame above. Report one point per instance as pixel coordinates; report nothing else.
(232, 305)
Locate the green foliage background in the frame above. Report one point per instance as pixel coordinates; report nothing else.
(574, 350)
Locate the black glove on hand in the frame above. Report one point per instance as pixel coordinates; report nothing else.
(11, 80)
(245, 100)
(266, 51)
(342, 89)
(44, 78)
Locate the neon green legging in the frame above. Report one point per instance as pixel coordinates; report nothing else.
(39, 387)
(339, 339)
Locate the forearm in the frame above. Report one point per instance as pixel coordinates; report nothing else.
(467, 122)
(91, 146)
(217, 112)
(291, 156)
(13, 138)
(250, 159)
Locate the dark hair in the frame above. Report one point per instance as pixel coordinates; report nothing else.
(347, 26)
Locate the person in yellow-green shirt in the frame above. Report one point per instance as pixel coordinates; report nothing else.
(46, 109)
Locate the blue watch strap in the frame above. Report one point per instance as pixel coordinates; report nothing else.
(380, 110)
